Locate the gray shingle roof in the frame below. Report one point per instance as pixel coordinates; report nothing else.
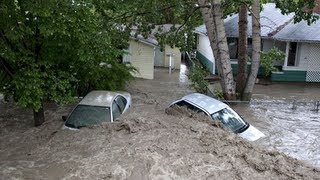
(300, 32)
(271, 20)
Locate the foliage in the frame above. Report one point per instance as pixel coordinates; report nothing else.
(51, 49)
(301, 8)
(218, 94)
(147, 17)
(197, 76)
(268, 58)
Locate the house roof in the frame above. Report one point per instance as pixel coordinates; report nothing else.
(300, 32)
(271, 21)
(151, 39)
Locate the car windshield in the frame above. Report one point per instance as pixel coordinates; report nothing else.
(231, 120)
(84, 115)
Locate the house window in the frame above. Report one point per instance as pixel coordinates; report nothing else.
(233, 47)
(126, 57)
(292, 54)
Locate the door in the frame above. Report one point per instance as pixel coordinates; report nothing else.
(159, 58)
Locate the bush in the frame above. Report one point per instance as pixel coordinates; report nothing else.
(267, 59)
(196, 75)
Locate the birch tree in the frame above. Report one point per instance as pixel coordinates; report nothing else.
(213, 18)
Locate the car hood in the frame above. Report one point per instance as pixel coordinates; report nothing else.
(251, 134)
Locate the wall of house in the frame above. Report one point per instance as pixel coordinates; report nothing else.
(307, 68)
(142, 58)
(159, 58)
(289, 76)
(204, 53)
(270, 43)
(176, 56)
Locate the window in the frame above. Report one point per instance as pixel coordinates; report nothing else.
(121, 102)
(126, 57)
(233, 47)
(189, 106)
(116, 111)
(230, 119)
(292, 54)
(84, 115)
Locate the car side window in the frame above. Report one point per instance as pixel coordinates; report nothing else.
(189, 106)
(116, 111)
(121, 102)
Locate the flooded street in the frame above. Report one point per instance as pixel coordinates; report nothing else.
(148, 143)
(284, 112)
(292, 129)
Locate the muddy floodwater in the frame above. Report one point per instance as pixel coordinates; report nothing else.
(289, 117)
(150, 143)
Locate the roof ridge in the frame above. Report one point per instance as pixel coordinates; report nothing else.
(279, 28)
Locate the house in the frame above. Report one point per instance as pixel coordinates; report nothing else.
(145, 54)
(302, 62)
(277, 30)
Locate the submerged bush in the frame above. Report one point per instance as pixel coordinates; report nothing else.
(196, 75)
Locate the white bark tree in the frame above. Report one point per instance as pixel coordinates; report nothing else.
(213, 18)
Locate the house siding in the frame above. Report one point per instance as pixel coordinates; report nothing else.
(142, 58)
(206, 62)
(289, 76)
(204, 53)
(176, 57)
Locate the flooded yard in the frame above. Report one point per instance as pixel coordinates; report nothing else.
(147, 143)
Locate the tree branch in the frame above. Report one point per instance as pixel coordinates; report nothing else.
(6, 67)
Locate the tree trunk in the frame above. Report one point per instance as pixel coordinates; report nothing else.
(38, 116)
(256, 49)
(242, 50)
(213, 17)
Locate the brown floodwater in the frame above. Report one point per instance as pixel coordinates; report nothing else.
(285, 112)
(147, 143)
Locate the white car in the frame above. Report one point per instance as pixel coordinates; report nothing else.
(97, 107)
(221, 112)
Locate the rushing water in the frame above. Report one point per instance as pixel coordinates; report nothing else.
(284, 112)
(292, 128)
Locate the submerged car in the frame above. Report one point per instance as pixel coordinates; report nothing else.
(97, 107)
(220, 111)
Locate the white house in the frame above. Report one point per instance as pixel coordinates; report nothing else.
(299, 41)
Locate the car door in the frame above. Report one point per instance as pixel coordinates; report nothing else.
(118, 106)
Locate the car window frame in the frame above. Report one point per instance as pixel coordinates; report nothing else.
(206, 112)
(125, 102)
(114, 102)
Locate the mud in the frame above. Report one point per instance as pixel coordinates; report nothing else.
(146, 143)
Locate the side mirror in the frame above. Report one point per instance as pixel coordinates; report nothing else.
(64, 118)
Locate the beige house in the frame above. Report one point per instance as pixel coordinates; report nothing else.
(145, 55)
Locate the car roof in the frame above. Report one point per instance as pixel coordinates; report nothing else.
(207, 103)
(99, 98)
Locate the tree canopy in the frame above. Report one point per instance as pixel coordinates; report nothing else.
(52, 50)
(49, 50)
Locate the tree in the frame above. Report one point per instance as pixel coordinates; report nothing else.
(242, 49)
(256, 48)
(51, 49)
(213, 18)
